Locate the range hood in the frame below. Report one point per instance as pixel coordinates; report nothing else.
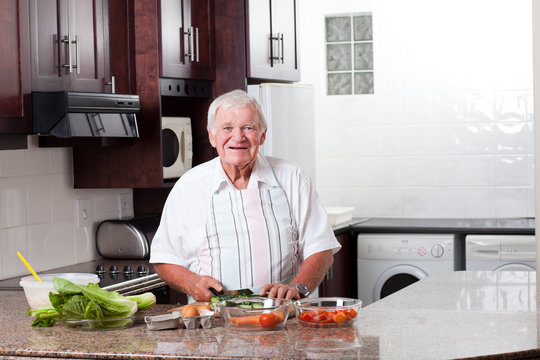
(77, 114)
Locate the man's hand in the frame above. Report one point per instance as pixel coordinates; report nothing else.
(187, 281)
(280, 291)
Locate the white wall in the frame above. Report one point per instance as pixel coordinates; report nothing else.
(449, 130)
(38, 210)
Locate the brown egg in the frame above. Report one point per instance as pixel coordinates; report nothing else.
(189, 311)
(200, 308)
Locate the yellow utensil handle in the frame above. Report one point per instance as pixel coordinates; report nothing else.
(28, 266)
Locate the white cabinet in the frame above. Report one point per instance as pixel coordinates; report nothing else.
(272, 43)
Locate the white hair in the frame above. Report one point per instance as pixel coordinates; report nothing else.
(234, 99)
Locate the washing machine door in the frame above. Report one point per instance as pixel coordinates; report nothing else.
(396, 278)
(515, 267)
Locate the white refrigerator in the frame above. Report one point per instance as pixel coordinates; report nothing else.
(290, 113)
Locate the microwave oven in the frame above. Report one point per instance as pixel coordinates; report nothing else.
(177, 146)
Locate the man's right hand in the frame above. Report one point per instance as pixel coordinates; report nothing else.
(179, 277)
(199, 287)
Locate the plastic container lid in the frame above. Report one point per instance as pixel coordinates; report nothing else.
(46, 279)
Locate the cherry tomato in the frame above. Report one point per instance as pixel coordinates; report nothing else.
(340, 317)
(351, 313)
(324, 317)
(268, 320)
(308, 316)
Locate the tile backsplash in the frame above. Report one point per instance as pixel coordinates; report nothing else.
(448, 131)
(38, 210)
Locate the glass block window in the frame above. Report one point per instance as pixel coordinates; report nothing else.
(349, 54)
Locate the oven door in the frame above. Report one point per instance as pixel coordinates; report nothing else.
(396, 278)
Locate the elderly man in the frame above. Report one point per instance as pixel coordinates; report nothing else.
(243, 220)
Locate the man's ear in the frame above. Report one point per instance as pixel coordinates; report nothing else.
(263, 137)
(211, 138)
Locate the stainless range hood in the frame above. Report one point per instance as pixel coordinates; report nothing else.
(76, 114)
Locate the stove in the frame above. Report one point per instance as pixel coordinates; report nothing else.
(128, 277)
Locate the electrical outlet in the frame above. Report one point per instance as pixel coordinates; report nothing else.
(84, 212)
(125, 205)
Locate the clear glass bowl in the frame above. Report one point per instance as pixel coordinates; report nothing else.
(103, 324)
(268, 315)
(327, 311)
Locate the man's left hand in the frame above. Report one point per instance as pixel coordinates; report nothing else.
(280, 291)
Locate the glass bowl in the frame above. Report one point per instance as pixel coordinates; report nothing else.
(255, 313)
(327, 311)
(101, 324)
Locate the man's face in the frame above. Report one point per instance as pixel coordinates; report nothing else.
(237, 136)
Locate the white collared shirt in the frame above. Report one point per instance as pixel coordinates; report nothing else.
(182, 228)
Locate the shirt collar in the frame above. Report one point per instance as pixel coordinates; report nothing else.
(262, 173)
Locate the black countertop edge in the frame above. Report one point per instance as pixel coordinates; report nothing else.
(499, 226)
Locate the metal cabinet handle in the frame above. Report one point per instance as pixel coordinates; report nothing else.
(112, 83)
(69, 65)
(282, 55)
(190, 53)
(197, 44)
(77, 54)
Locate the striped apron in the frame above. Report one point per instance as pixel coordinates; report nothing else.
(251, 239)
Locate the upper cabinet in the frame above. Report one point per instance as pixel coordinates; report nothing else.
(14, 69)
(187, 34)
(272, 42)
(69, 45)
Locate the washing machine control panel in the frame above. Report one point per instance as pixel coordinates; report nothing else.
(391, 246)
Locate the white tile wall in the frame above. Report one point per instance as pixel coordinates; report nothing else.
(38, 210)
(449, 130)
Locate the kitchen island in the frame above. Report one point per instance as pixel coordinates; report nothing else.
(447, 316)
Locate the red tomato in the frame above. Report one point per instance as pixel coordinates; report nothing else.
(340, 317)
(308, 316)
(351, 313)
(268, 320)
(324, 317)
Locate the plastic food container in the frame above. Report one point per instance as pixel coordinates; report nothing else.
(327, 311)
(255, 313)
(37, 293)
(162, 322)
(339, 215)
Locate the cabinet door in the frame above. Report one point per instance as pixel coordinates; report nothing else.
(173, 44)
(186, 33)
(284, 29)
(86, 29)
(272, 40)
(48, 53)
(14, 60)
(67, 45)
(340, 280)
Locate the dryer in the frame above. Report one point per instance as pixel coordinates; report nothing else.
(500, 252)
(390, 262)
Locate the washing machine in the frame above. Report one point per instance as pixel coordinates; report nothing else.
(390, 262)
(500, 252)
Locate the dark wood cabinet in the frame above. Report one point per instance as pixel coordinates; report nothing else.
(341, 279)
(69, 45)
(14, 69)
(272, 41)
(187, 33)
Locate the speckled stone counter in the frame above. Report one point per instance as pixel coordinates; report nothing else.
(447, 316)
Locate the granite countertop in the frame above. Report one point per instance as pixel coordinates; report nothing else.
(445, 316)
(520, 226)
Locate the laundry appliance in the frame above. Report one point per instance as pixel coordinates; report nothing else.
(390, 262)
(500, 252)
